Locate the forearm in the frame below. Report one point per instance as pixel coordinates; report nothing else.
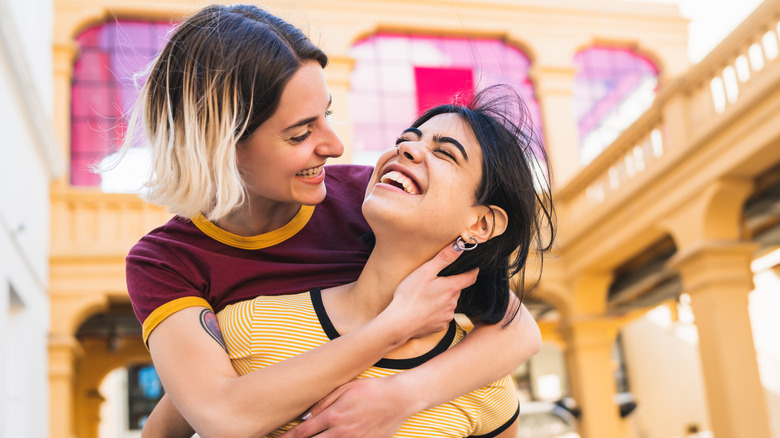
(487, 353)
(203, 385)
(165, 421)
(307, 378)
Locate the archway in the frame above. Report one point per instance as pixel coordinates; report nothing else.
(109, 340)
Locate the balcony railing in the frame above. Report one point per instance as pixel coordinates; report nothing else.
(685, 113)
(89, 223)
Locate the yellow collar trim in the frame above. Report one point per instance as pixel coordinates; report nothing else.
(260, 241)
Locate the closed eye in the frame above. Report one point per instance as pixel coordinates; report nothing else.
(452, 141)
(404, 137)
(300, 138)
(400, 140)
(446, 153)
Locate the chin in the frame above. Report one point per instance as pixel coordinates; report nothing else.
(313, 198)
(380, 214)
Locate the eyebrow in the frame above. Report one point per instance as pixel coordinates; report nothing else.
(441, 139)
(308, 120)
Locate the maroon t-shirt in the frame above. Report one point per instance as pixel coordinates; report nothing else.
(187, 263)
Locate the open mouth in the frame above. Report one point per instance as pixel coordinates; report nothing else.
(310, 173)
(397, 179)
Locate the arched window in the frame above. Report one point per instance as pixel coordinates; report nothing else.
(397, 76)
(103, 90)
(612, 88)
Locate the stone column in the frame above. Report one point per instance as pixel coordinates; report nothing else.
(718, 278)
(553, 86)
(589, 336)
(89, 418)
(591, 375)
(63, 352)
(63, 58)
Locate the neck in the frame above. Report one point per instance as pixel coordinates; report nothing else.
(391, 261)
(258, 216)
(355, 304)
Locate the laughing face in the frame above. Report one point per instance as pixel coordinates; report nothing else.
(426, 185)
(282, 162)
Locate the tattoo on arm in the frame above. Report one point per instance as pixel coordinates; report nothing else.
(208, 320)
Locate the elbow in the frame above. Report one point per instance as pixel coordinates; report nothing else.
(535, 343)
(230, 429)
(529, 338)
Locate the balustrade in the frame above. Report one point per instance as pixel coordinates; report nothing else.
(92, 223)
(685, 111)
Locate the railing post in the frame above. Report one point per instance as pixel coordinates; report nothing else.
(675, 116)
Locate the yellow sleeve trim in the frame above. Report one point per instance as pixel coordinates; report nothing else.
(260, 241)
(159, 314)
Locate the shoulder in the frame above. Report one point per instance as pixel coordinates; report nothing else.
(176, 230)
(165, 253)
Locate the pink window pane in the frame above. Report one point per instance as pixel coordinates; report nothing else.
(103, 89)
(365, 106)
(611, 82)
(396, 108)
(91, 65)
(367, 137)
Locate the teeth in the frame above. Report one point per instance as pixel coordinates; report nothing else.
(397, 177)
(310, 173)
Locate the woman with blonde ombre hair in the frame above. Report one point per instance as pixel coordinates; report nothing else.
(235, 111)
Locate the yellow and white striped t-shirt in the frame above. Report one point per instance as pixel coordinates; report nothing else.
(270, 329)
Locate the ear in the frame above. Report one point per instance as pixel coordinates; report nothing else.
(491, 221)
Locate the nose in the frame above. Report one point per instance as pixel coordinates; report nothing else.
(330, 144)
(411, 150)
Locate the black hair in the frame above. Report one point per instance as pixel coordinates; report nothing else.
(515, 177)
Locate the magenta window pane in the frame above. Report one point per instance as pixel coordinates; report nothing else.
(612, 86)
(436, 86)
(405, 73)
(91, 65)
(103, 88)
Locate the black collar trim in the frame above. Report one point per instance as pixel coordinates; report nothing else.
(394, 364)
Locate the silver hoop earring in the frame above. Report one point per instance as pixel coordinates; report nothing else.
(462, 243)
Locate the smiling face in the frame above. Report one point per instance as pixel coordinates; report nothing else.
(425, 187)
(282, 162)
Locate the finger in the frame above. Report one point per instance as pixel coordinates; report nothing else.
(327, 434)
(308, 428)
(444, 258)
(326, 401)
(464, 279)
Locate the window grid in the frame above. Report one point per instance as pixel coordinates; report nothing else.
(383, 95)
(103, 88)
(613, 86)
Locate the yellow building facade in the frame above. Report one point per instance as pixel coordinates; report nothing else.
(673, 190)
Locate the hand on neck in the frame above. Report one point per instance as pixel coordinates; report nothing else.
(357, 303)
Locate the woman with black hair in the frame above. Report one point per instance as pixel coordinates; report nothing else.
(467, 173)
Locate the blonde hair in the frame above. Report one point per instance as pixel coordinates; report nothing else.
(219, 77)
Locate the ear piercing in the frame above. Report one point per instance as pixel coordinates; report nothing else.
(460, 243)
